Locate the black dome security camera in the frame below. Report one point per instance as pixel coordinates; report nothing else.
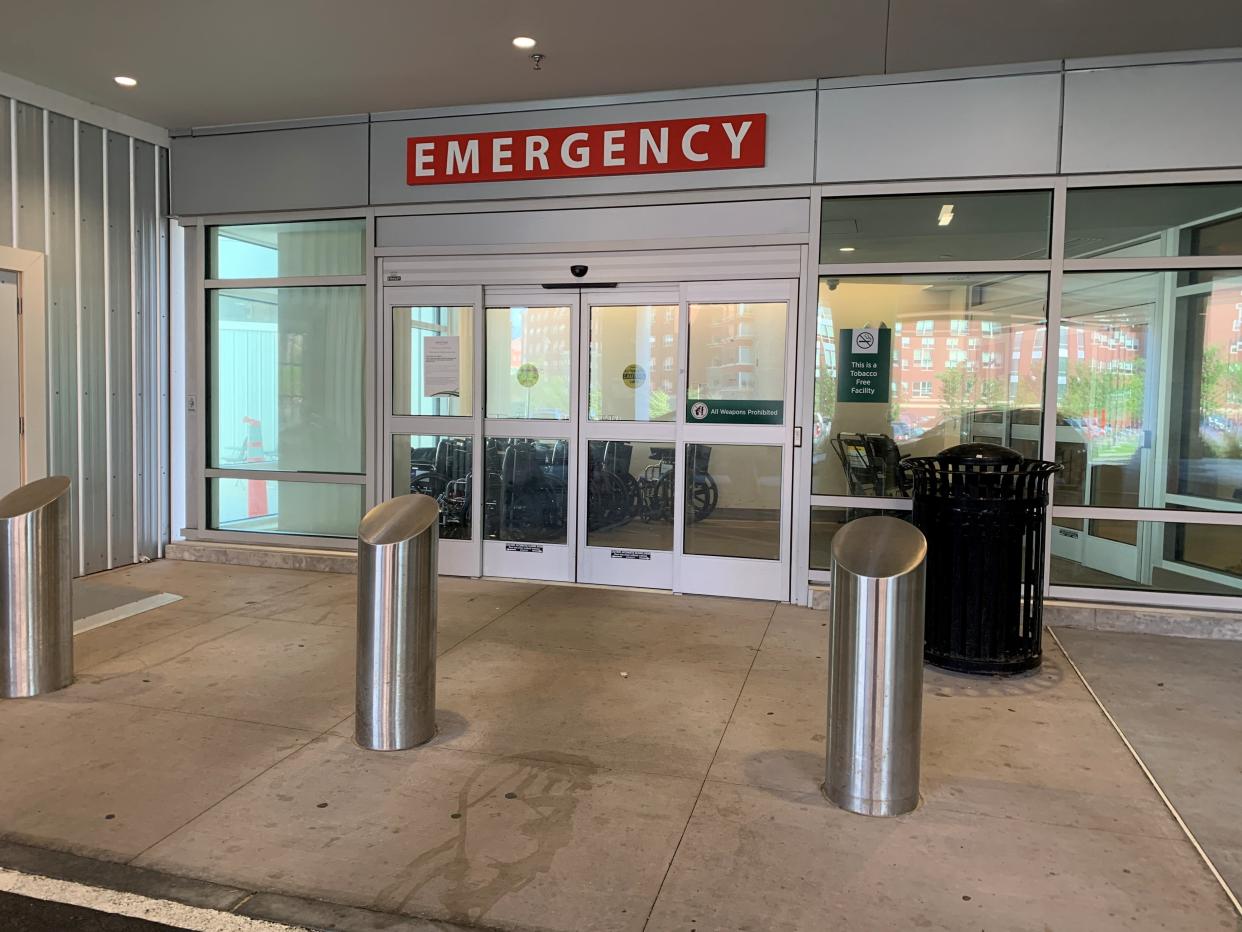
(578, 271)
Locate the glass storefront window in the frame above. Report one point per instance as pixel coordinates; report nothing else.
(1149, 391)
(287, 250)
(525, 494)
(630, 494)
(285, 379)
(964, 362)
(1170, 220)
(432, 360)
(318, 509)
(737, 361)
(529, 362)
(1204, 559)
(633, 363)
(439, 466)
(964, 226)
(733, 500)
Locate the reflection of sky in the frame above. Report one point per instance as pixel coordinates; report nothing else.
(239, 259)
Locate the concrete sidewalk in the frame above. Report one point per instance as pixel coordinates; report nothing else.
(211, 740)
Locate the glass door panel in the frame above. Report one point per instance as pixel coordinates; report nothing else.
(442, 467)
(530, 482)
(432, 361)
(430, 410)
(630, 500)
(737, 363)
(630, 347)
(633, 363)
(733, 501)
(529, 363)
(734, 515)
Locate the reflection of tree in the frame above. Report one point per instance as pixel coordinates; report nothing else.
(1221, 384)
(826, 393)
(661, 403)
(1220, 394)
(1029, 393)
(1118, 395)
(956, 391)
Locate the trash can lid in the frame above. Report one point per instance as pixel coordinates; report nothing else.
(33, 495)
(980, 454)
(399, 519)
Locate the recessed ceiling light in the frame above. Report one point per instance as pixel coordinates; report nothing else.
(524, 42)
(125, 81)
(946, 215)
(847, 249)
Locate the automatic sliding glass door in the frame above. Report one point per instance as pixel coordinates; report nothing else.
(529, 434)
(628, 476)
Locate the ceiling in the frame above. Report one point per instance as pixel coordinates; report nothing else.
(232, 61)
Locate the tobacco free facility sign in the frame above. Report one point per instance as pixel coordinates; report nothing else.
(866, 362)
(649, 146)
(702, 411)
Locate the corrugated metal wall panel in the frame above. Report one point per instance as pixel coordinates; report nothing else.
(96, 204)
(146, 332)
(6, 172)
(163, 414)
(92, 355)
(120, 354)
(28, 153)
(62, 309)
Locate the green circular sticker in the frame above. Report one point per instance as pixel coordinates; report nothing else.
(527, 375)
(633, 375)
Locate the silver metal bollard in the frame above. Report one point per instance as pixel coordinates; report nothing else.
(36, 601)
(396, 682)
(875, 667)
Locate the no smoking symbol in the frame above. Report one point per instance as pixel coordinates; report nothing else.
(866, 340)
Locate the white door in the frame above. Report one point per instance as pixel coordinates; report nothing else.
(630, 352)
(432, 385)
(530, 410)
(733, 518)
(10, 386)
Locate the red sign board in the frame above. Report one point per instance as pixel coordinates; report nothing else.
(646, 147)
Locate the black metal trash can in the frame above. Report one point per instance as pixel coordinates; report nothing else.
(982, 508)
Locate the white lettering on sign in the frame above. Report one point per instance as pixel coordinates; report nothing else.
(736, 136)
(687, 143)
(536, 149)
(422, 159)
(502, 152)
(524, 548)
(464, 159)
(612, 147)
(579, 157)
(696, 144)
(647, 145)
(630, 555)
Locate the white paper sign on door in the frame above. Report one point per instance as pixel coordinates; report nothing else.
(441, 367)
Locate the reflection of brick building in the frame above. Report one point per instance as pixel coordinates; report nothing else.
(544, 336)
(959, 363)
(731, 343)
(663, 338)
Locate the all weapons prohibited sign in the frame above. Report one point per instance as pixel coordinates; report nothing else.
(865, 365)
